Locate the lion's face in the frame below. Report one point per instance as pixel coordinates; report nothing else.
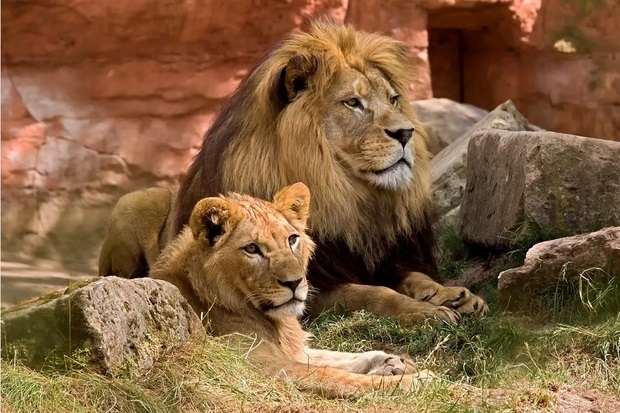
(368, 132)
(258, 251)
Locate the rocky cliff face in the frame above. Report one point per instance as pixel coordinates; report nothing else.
(100, 98)
(558, 60)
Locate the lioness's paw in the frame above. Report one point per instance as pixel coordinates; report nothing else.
(409, 382)
(395, 366)
(461, 300)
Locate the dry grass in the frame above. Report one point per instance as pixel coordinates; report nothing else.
(500, 362)
(568, 339)
(202, 377)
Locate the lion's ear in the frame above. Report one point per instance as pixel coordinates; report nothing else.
(296, 74)
(294, 202)
(212, 218)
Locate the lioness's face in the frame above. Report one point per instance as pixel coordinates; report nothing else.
(255, 252)
(368, 132)
(270, 264)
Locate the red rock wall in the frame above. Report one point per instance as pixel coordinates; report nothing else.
(100, 98)
(558, 60)
(103, 97)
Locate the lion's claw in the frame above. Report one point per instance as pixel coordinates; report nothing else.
(466, 303)
(395, 366)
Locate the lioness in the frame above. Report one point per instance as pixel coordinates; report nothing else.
(243, 263)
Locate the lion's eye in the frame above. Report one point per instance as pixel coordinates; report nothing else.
(252, 249)
(394, 100)
(293, 240)
(353, 103)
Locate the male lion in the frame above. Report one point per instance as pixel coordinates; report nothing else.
(242, 262)
(136, 233)
(327, 107)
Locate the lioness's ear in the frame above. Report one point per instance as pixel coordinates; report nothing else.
(294, 203)
(212, 218)
(296, 74)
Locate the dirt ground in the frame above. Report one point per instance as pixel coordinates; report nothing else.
(19, 282)
(576, 400)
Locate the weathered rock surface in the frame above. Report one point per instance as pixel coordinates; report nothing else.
(449, 167)
(556, 59)
(113, 322)
(446, 120)
(550, 263)
(564, 183)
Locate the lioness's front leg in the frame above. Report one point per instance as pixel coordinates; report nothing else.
(382, 301)
(330, 381)
(422, 287)
(369, 362)
(334, 382)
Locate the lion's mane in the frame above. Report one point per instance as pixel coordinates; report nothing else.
(261, 141)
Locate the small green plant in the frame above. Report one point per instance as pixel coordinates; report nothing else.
(589, 295)
(452, 252)
(528, 234)
(585, 7)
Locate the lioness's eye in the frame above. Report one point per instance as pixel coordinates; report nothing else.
(252, 249)
(293, 240)
(353, 103)
(394, 100)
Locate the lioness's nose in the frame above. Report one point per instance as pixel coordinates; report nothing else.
(290, 284)
(401, 135)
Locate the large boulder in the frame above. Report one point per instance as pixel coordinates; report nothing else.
(563, 260)
(446, 120)
(564, 184)
(449, 167)
(110, 323)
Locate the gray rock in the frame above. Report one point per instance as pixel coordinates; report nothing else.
(445, 120)
(449, 167)
(110, 323)
(561, 260)
(451, 219)
(565, 184)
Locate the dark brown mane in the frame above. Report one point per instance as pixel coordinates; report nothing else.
(243, 152)
(203, 178)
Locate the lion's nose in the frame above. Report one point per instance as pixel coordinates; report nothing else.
(401, 135)
(290, 284)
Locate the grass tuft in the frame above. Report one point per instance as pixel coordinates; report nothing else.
(528, 234)
(570, 337)
(453, 254)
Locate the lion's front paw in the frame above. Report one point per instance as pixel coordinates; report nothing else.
(418, 312)
(461, 300)
(458, 299)
(395, 366)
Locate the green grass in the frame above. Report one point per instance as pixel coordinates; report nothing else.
(527, 235)
(454, 255)
(577, 342)
(207, 377)
(569, 335)
(482, 365)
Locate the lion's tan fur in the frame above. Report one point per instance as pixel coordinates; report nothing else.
(216, 282)
(135, 235)
(292, 145)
